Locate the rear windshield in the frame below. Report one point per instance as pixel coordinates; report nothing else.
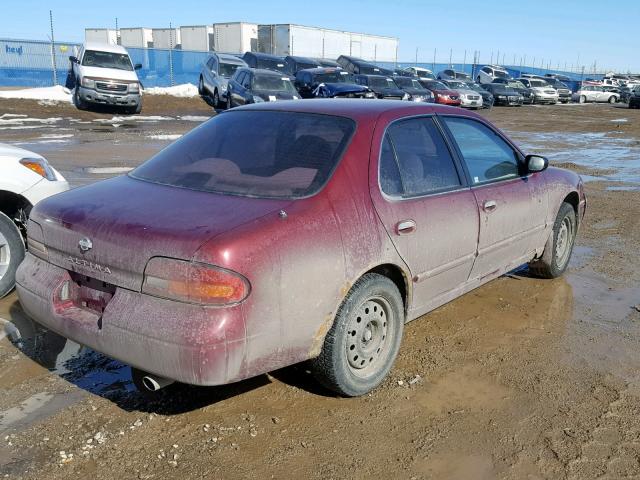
(333, 77)
(281, 155)
(228, 69)
(272, 83)
(269, 64)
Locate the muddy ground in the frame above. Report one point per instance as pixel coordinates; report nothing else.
(520, 379)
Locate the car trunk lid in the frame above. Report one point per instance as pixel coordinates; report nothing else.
(110, 230)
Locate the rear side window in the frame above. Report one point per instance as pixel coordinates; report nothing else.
(281, 155)
(415, 160)
(488, 157)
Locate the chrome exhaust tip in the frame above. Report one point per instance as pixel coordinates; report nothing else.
(153, 383)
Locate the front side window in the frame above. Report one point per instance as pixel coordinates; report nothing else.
(282, 155)
(415, 160)
(273, 83)
(488, 157)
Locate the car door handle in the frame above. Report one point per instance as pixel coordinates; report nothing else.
(406, 227)
(489, 206)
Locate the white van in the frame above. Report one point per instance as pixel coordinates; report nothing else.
(103, 74)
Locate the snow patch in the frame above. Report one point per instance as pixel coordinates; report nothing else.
(56, 135)
(186, 90)
(619, 120)
(136, 118)
(52, 94)
(165, 136)
(194, 118)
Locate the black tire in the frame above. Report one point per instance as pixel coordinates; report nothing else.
(229, 104)
(612, 99)
(77, 101)
(201, 87)
(555, 258)
(582, 99)
(216, 99)
(11, 253)
(363, 342)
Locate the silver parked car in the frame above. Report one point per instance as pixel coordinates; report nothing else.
(450, 74)
(215, 75)
(468, 98)
(595, 93)
(489, 73)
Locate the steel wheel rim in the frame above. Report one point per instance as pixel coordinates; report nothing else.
(368, 336)
(563, 241)
(5, 256)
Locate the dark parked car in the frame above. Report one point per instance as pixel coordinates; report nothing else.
(625, 94)
(264, 61)
(450, 74)
(276, 234)
(634, 99)
(417, 93)
(442, 94)
(293, 64)
(557, 76)
(249, 85)
(325, 62)
(329, 83)
(487, 97)
(564, 92)
(527, 94)
(384, 87)
(358, 65)
(504, 95)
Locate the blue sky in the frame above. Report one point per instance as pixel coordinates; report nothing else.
(566, 31)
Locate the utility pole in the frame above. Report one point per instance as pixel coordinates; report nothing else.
(433, 65)
(450, 56)
(170, 55)
(53, 51)
(417, 56)
(464, 63)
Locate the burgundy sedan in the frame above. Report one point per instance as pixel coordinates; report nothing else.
(316, 233)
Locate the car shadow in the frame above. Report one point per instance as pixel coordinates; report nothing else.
(105, 377)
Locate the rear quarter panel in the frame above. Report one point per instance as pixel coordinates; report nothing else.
(302, 267)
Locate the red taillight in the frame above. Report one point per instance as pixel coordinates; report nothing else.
(193, 282)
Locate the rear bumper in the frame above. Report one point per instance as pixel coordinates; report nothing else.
(183, 342)
(93, 96)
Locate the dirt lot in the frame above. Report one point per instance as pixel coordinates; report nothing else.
(522, 378)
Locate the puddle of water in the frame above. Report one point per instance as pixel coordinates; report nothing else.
(85, 368)
(593, 150)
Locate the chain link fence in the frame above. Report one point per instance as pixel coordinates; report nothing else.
(32, 63)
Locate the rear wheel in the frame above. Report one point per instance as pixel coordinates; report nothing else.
(612, 99)
(582, 99)
(363, 342)
(216, 99)
(557, 251)
(201, 87)
(11, 253)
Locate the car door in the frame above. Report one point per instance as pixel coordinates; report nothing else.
(235, 87)
(245, 89)
(426, 207)
(512, 206)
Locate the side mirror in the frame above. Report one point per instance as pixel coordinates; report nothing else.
(137, 66)
(73, 59)
(536, 163)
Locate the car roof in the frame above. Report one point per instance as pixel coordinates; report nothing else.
(105, 47)
(264, 71)
(228, 58)
(370, 75)
(301, 59)
(354, 108)
(267, 56)
(323, 70)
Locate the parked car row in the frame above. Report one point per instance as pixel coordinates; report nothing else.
(350, 77)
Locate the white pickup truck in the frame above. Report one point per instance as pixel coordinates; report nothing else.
(25, 179)
(103, 74)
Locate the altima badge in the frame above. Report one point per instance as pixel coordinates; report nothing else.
(85, 244)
